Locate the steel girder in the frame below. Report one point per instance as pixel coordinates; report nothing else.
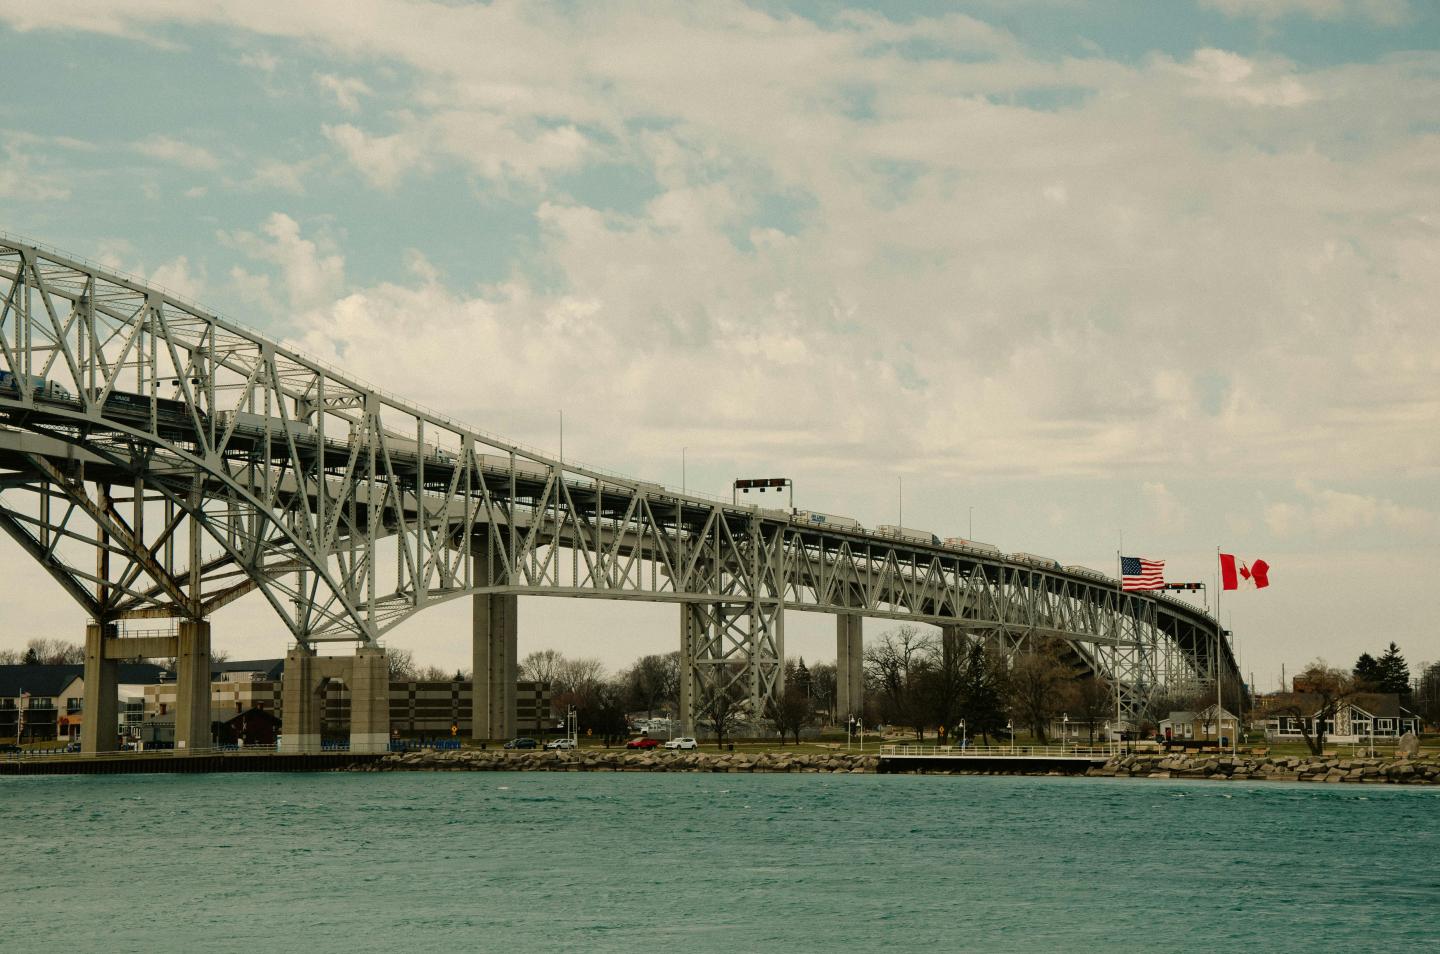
(251, 467)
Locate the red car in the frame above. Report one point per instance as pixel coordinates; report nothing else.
(643, 743)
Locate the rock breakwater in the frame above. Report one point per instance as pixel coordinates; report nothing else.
(1296, 768)
(593, 760)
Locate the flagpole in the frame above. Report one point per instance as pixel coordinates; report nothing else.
(1115, 650)
(1219, 650)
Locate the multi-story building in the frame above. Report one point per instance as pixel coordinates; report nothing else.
(45, 703)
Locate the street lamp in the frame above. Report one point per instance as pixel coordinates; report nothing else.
(1010, 728)
(1065, 727)
(962, 735)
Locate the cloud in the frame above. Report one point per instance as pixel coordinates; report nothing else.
(311, 274)
(1167, 514)
(181, 278)
(1334, 513)
(275, 175)
(1225, 75)
(347, 90)
(24, 179)
(1382, 12)
(382, 160)
(175, 151)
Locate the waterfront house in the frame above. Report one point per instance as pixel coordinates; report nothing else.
(1377, 715)
(1189, 725)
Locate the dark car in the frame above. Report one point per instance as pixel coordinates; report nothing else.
(646, 743)
(10, 748)
(522, 744)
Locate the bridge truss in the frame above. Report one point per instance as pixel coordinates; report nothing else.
(161, 462)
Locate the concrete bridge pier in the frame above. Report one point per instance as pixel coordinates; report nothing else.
(369, 700)
(366, 676)
(192, 685)
(494, 647)
(104, 650)
(99, 725)
(849, 665)
(302, 703)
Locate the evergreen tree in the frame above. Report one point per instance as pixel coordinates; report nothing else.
(801, 677)
(1392, 674)
(1367, 671)
(982, 694)
(32, 658)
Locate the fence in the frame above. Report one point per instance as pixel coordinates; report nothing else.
(1003, 751)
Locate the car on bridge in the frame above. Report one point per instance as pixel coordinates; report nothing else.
(643, 743)
(685, 743)
(522, 744)
(561, 744)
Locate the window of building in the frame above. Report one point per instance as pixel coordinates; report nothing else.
(75, 705)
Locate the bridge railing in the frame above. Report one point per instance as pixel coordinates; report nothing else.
(1059, 751)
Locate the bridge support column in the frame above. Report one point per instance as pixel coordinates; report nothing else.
(369, 685)
(301, 705)
(100, 723)
(494, 644)
(692, 622)
(192, 685)
(849, 665)
(730, 665)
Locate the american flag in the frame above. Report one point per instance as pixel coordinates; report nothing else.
(1138, 573)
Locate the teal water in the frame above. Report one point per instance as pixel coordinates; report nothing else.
(518, 862)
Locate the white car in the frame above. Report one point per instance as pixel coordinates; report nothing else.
(686, 743)
(561, 744)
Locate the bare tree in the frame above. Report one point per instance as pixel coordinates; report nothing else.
(401, 663)
(722, 701)
(542, 666)
(433, 674)
(793, 711)
(653, 681)
(55, 652)
(10, 657)
(1322, 691)
(894, 667)
(1094, 700)
(1037, 685)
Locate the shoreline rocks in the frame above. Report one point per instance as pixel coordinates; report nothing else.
(620, 760)
(1285, 768)
(1302, 768)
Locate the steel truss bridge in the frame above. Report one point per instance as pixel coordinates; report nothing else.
(161, 462)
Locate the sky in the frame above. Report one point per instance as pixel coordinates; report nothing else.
(1048, 273)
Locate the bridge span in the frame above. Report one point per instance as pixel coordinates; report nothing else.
(160, 462)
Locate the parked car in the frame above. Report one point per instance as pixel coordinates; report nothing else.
(522, 744)
(645, 743)
(561, 744)
(685, 743)
(10, 748)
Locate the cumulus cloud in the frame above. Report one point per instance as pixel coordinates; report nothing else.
(1335, 513)
(180, 277)
(178, 152)
(311, 274)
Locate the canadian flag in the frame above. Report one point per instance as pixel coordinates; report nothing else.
(1232, 571)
